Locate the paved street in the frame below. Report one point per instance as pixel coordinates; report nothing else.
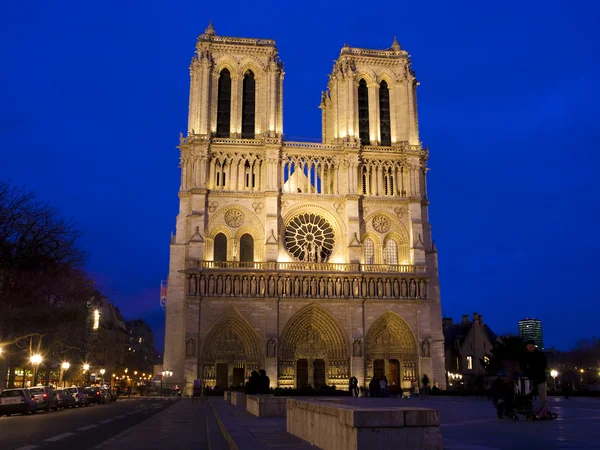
(80, 428)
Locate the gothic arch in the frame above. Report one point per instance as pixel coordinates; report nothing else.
(390, 337)
(231, 340)
(314, 333)
(402, 243)
(389, 77)
(397, 227)
(367, 74)
(226, 62)
(251, 63)
(376, 243)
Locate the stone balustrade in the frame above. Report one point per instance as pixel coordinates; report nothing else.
(343, 427)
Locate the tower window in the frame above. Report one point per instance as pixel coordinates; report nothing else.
(384, 114)
(224, 104)
(248, 106)
(369, 249)
(220, 247)
(247, 248)
(391, 252)
(363, 112)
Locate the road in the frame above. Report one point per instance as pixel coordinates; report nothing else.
(81, 428)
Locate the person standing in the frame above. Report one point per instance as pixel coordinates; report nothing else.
(425, 383)
(533, 364)
(265, 382)
(353, 387)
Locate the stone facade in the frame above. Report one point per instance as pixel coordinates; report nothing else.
(313, 261)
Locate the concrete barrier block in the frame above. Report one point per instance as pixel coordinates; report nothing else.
(227, 396)
(238, 399)
(421, 417)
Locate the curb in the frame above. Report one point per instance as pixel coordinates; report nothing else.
(226, 435)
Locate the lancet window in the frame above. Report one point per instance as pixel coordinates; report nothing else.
(224, 104)
(363, 112)
(369, 251)
(248, 105)
(220, 247)
(384, 114)
(391, 252)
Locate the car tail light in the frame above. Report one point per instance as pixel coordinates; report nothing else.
(45, 396)
(22, 400)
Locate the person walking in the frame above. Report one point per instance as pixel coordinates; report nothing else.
(425, 383)
(353, 386)
(383, 387)
(533, 364)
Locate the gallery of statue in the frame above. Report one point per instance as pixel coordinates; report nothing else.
(313, 261)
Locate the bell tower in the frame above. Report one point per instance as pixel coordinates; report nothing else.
(235, 87)
(371, 98)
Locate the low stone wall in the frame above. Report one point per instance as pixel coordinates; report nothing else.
(238, 399)
(275, 406)
(227, 396)
(344, 427)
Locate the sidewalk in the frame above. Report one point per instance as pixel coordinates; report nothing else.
(185, 425)
(244, 431)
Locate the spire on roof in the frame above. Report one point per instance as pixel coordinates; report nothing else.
(395, 45)
(210, 30)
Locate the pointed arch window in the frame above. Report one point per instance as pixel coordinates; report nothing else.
(248, 105)
(220, 247)
(369, 251)
(363, 112)
(391, 252)
(384, 114)
(224, 104)
(247, 248)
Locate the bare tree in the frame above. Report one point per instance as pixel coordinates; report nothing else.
(44, 292)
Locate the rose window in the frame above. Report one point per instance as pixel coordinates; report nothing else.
(309, 238)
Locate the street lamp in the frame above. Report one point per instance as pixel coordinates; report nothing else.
(63, 368)
(165, 374)
(554, 374)
(36, 360)
(86, 370)
(102, 372)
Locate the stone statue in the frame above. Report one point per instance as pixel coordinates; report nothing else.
(357, 348)
(236, 286)
(356, 287)
(338, 287)
(413, 289)
(422, 288)
(228, 285)
(219, 285)
(253, 285)
(202, 285)
(379, 288)
(271, 285)
(330, 288)
(426, 348)
(296, 286)
(288, 286)
(313, 287)
(280, 286)
(403, 289)
(321, 287)
(305, 287)
(271, 348)
(263, 286)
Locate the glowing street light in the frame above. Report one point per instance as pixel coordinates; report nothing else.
(36, 360)
(1, 349)
(86, 367)
(554, 374)
(102, 372)
(96, 319)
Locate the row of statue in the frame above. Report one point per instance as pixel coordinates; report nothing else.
(306, 286)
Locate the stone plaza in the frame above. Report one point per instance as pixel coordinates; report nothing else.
(466, 423)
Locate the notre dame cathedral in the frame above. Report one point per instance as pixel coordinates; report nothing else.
(313, 261)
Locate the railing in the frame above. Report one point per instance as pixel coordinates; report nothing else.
(305, 266)
(238, 141)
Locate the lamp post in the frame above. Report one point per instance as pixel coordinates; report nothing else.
(102, 372)
(36, 360)
(554, 374)
(63, 368)
(165, 374)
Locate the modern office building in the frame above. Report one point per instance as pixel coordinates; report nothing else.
(532, 329)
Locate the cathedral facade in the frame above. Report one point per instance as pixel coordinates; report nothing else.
(313, 261)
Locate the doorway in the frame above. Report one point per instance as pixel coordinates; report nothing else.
(238, 377)
(222, 375)
(394, 374)
(301, 373)
(378, 369)
(319, 373)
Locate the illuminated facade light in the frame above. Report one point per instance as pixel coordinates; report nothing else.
(96, 319)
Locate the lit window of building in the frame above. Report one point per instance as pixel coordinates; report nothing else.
(469, 363)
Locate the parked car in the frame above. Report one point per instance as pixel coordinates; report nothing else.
(14, 401)
(44, 397)
(94, 395)
(78, 394)
(65, 399)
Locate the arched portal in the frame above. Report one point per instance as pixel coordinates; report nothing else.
(230, 351)
(391, 342)
(314, 334)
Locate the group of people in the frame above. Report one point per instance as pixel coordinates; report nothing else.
(530, 364)
(378, 387)
(258, 383)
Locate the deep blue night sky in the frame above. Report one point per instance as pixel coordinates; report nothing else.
(93, 96)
